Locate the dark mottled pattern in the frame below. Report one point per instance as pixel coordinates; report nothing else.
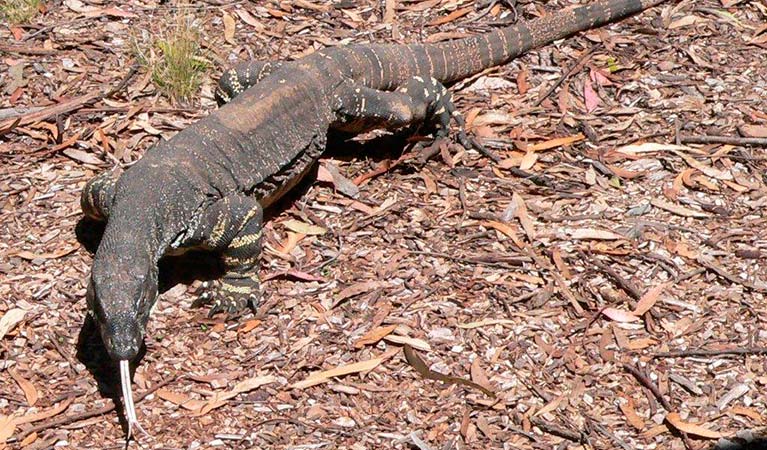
(207, 185)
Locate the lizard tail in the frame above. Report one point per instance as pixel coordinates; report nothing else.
(457, 59)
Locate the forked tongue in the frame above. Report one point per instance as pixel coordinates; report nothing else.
(130, 407)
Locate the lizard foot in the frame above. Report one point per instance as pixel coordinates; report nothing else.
(441, 112)
(229, 295)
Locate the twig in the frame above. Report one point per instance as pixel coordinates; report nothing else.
(645, 381)
(575, 68)
(66, 106)
(557, 430)
(733, 140)
(713, 352)
(630, 289)
(66, 420)
(24, 50)
(709, 264)
(487, 260)
(12, 113)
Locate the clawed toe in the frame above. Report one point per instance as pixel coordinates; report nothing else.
(225, 297)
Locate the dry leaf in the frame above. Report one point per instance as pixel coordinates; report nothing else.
(303, 228)
(520, 210)
(220, 399)
(249, 326)
(507, 230)
(419, 344)
(357, 289)
(528, 161)
(691, 428)
(374, 335)
(591, 233)
(290, 243)
(7, 427)
(619, 315)
(486, 323)
(45, 414)
(648, 299)
(478, 374)
(554, 143)
(676, 209)
(229, 28)
(29, 389)
(627, 407)
(10, 319)
(452, 16)
(325, 375)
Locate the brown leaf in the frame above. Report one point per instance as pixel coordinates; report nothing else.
(524, 218)
(554, 143)
(648, 299)
(374, 335)
(590, 96)
(181, 400)
(478, 375)
(759, 131)
(451, 17)
(594, 234)
(290, 242)
(627, 407)
(325, 375)
(619, 315)
(420, 366)
(220, 399)
(54, 255)
(45, 414)
(522, 84)
(303, 227)
(29, 389)
(507, 230)
(691, 428)
(416, 343)
(249, 326)
(357, 289)
(10, 319)
(229, 28)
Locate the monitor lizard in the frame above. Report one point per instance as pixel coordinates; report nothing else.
(208, 185)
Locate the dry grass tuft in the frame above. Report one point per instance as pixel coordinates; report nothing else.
(175, 59)
(19, 11)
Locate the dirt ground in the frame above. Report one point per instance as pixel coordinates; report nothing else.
(605, 280)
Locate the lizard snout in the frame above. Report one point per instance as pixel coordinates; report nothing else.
(122, 340)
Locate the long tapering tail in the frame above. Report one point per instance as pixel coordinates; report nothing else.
(457, 59)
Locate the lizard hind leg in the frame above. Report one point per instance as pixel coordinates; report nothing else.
(440, 111)
(98, 193)
(240, 77)
(232, 226)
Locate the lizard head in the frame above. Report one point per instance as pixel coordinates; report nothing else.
(121, 294)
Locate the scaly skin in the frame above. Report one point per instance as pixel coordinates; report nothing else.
(206, 187)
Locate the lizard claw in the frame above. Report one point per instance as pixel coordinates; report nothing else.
(228, 295)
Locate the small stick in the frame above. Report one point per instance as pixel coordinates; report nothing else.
(557, 430)
(66, 420)
(645, 381)
(733, 140)
(628, 287)
(712, 352)
(575, 68)
(709, 264)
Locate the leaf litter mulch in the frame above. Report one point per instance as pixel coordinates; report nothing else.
(601, 286)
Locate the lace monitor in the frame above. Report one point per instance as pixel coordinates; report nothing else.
(206, 187)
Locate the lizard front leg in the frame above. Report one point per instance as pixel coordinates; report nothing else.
(243, 75)
(232, 226)
(98, 194)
